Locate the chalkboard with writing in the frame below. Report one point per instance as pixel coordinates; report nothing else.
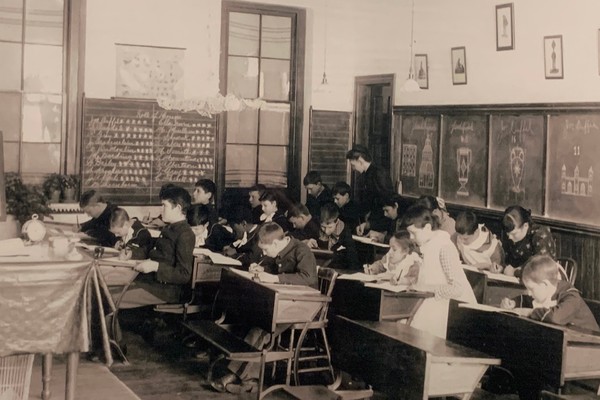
(464, 159)
(572, 161)
(517, 156)
(420, 154)
(131, 148)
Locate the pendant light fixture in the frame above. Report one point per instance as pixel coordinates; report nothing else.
(411, 85)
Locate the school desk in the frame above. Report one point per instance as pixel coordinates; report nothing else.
(404, 362)
(541, 353)
(491, 288)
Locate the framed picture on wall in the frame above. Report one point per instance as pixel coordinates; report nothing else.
(459, 65)
(422, 71)
(553, 57)
(505, 28)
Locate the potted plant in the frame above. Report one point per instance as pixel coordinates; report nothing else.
(69, 185)
(22, 201)
(52, 187)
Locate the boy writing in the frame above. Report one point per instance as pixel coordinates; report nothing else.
(349, 212)
(476, 244)
(99, 210)
(305, 226)
(135, 240)
(318, 193)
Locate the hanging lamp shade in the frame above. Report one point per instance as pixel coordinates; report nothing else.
(411, 85)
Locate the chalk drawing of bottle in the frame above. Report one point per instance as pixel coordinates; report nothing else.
(426, 173)
(517, 168)
(463, 161)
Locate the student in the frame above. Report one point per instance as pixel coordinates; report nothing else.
(318, 193)
(165, 275)
(254, 195)
(477, 245)
(245, 247)
(135, 241)
(441, 271)
(158, 222)
(349, 212)
(271, 212)
(522, 239)
(437, 206)
(552, 300)
(99, 210)
(403, 260)
(305, 227)
(336, 236)
(208, 234)
(374, 186)
(204, 193)
(393, 209)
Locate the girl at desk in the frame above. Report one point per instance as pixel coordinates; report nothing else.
(210, 235)
(403, 260)
(440, 273)
(477, 245)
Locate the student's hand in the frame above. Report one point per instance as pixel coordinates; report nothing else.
(508, 304)
(147, 266)
(377, 237)
(229, 251)
(395, 280)
(255, 268)
(311, 243)
(268, 278)
(125, 254)
(509, 270)
(361, 229)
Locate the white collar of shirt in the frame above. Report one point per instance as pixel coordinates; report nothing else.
(129, 235)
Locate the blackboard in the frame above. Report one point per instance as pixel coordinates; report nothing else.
(517, 156)
(464, 159)
(572, 162)
(130, 148)
(329, 141)
(420, 154)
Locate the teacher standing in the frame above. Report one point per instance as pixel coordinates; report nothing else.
(374, 187)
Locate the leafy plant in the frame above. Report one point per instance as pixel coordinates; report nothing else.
(52, 183)
(69, 181)
(23, 200)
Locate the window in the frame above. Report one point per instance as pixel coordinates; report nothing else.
(262, 57)
(32, 48)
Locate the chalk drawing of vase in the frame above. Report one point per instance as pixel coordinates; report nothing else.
(463, 160)
(517, 168)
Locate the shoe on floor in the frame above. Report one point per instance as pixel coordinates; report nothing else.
(220, 385)
(246, 386)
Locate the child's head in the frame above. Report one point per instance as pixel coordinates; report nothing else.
(401, 245)
(92, 203)
(540, 277)
(420, 223)
(359, 158)
(391, 207)
(299, 216)
(268, 201)
(466, 227)
(255, 193)
(313, 183)
(119, 222)
(271, 239)
(198, 218)
(204, 191)
(329, 218)
(240, 220)
(435, 204)
(341, 193)
(175, 203)
(516, 222)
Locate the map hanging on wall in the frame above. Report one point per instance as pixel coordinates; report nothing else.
(149, 72)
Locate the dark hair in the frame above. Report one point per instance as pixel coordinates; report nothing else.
(270, 231)
(118, 217)
(514, 217)
(329, 213)
(429, 202)
(403, 238)
(198, 214)
(297, 210)
(466, 223)
(312, 178)
(260, 188)
(207, 185)
(341, 188)
(420, 216)
(239, 215)
(165, 187)
(268, 195)
(90, 197)
(358, 151)
(177, 196)
(539, 268)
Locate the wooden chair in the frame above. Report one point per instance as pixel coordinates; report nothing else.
(570, 267)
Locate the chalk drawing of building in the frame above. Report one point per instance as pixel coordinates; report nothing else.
(576, 185)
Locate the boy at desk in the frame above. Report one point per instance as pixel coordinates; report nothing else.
(245, 247)
(349, 212)
(403, 261)
(135, 240)
(305, 227)
(552, 300)
(476, 244)
(99, 210)
(209, 234)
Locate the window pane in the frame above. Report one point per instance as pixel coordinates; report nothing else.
(272, 166)
(10, 116)
(275, 124)
(11, 157)
(242, 77)
(241, 166)
(44, 21)
(40, 158)
(10, 78)
(42, 118)
(43, 68)
(11, 20)
(276, 37)
(243, 34)
(275, 80)
(242, 126)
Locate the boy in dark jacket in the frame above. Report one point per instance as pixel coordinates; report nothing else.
(135, 240)
(99, 210)
(305, 226)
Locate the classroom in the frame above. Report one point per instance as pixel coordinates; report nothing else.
(397, 179)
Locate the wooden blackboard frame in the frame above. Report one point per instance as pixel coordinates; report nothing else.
(542, 110)
(2, 181)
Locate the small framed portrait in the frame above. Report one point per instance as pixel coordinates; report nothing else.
(422, 71)
(505, 27)
(459, 65)
(553, 57)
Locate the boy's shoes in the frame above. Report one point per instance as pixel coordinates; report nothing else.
(246, 386)
(220, 385)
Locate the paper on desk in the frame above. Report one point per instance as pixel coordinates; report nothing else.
(359, 276)
(91, 247)
(492, 275)
(115, 262)
(12, 247)
(367, 240)
(387, 286)
(486, 307)
(216, 258)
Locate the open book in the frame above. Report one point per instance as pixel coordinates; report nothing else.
(217, 258)
(368, 240)
(523, 312)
